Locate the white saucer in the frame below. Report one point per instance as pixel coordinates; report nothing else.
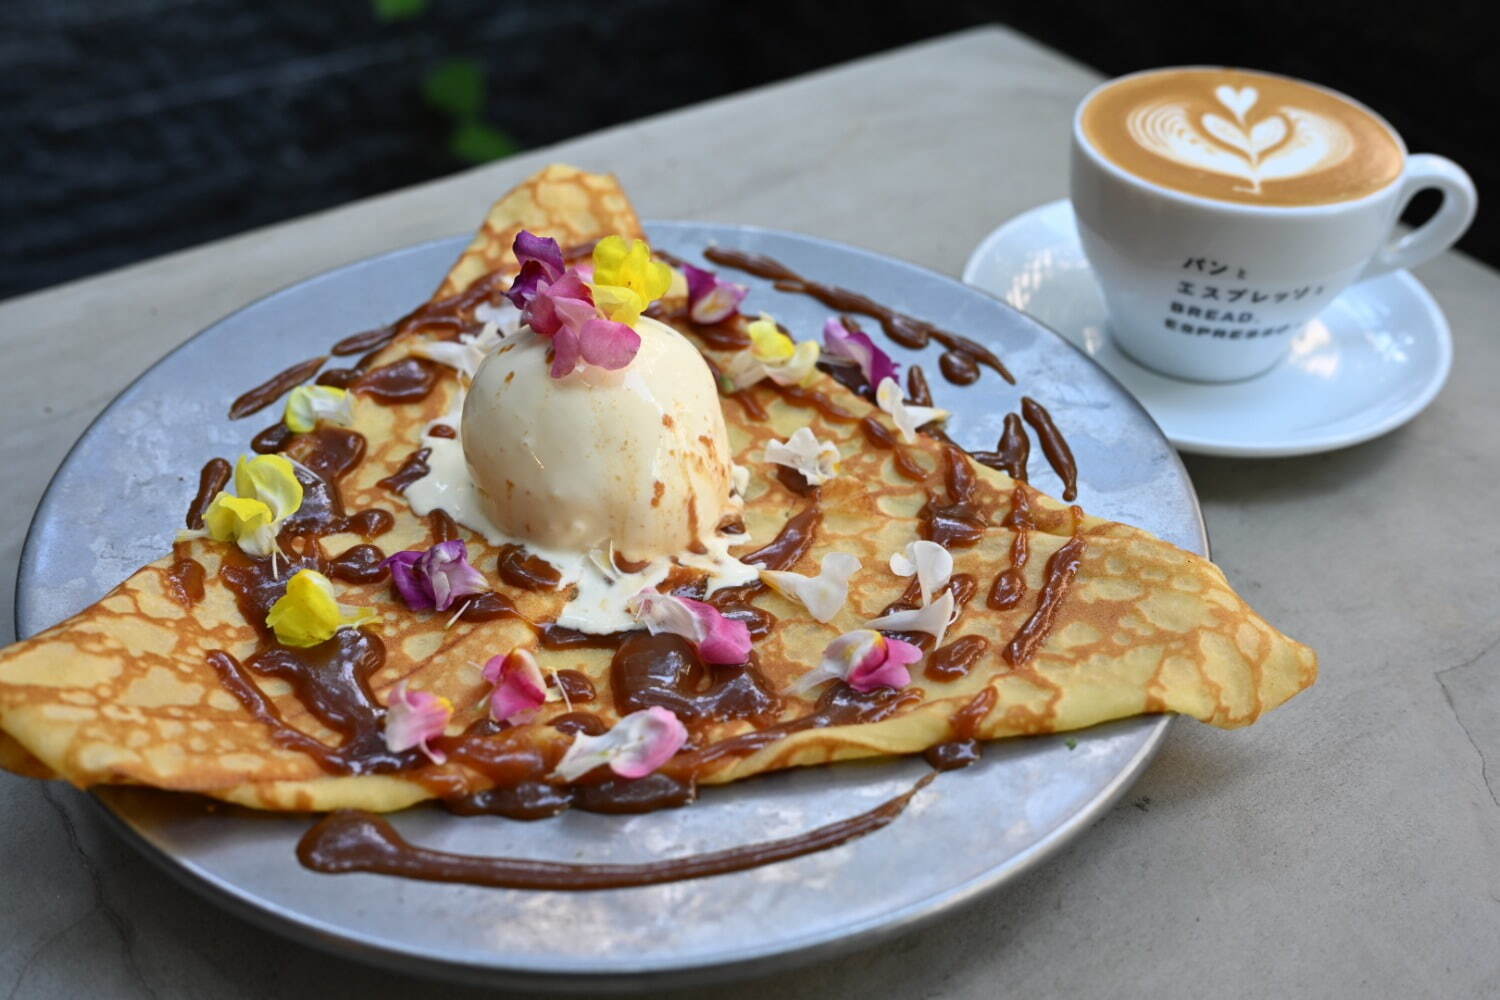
(1372, 361)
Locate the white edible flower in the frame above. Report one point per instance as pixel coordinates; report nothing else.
(933, 619)
(929, 562)
(465, 354)
(818, 461)
(823, 595)
(907, 416)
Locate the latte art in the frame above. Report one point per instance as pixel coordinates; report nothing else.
(1242, 137)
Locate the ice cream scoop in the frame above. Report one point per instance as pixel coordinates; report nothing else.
(638, 458)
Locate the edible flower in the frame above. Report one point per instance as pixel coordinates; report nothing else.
(636, 745)
(519, 688)
(558, 304)
(266, 493)
(309, 612)
(719, 639)
(541, 261)
(465, 354)
(772, 355)
(865, 660)
(929, 562)
(414, 717)
(434, 579)
(817, 461)
(310, 403)
(843, 345)
(933, 618)
(822, 595)
(711, 300)
(907, 416)
(626, 278)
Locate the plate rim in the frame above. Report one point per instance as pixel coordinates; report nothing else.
(715, 967)
(1206, 444)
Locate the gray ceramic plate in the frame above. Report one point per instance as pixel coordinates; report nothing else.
(966, 834)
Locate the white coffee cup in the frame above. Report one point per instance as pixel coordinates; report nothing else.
(1215, 290)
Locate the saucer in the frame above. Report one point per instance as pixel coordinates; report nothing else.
(1366, 365)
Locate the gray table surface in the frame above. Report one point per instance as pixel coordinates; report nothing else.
(1349, 844)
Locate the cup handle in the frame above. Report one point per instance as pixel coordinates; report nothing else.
(1438, 233)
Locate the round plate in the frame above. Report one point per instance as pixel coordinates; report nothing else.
(1366, 365)
(967, 833)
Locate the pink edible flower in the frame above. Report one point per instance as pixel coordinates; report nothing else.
(556, 303)
(637, 745)
(519, 688)
(414, 717)
(865, 660)
(719, 639)
(711, 300)
(436, 578)
(842, 343)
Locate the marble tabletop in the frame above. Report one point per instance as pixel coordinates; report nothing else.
(1349, 844)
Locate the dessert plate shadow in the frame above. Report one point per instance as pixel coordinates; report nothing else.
(968, 833)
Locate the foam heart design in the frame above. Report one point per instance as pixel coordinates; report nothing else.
(1237, 101)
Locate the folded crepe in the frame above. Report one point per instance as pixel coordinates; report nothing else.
(156, 685)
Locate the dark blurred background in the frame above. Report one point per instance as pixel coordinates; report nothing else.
(135, 127)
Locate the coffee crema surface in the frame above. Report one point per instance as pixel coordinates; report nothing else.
(1238, 136)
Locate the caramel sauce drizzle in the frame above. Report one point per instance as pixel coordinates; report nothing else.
(905, 330)
(274, 388)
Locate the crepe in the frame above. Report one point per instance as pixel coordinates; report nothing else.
(127, 692)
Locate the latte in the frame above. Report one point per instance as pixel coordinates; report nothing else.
(1238, 136)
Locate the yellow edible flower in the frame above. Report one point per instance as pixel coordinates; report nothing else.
(266, 492)
(230, 518)
(774, 355)
(768, 343)
(626, 278)
(309, 613)
(310, 403)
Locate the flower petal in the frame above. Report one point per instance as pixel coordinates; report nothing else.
(767, 341)
(270, 479)
(519, 689)
(711, 300)
(929, 562)
(840, 342)
(841, 657)
(541, 262)
(816, 460)
(409, 582)
(636, 746)
(309, 613)
(244, 520)
(887, 670)
(414, 717)
(823, 595)
(463, 355)
(435, 578)
(906, 416)
(308, 404)
(933, 619)
(608, 344)
(719, 639)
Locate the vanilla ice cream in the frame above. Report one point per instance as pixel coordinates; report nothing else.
(638, 458)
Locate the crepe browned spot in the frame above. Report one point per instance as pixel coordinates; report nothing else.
(126, 691)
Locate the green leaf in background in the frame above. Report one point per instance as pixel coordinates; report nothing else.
(388, 11)
(476, 142)
(456, 86)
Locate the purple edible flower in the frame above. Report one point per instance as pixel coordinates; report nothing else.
(541, 261)
(709, 299)
(842, 343)
(434, 579)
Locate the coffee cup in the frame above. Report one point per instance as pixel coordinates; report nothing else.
(1221, 210)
